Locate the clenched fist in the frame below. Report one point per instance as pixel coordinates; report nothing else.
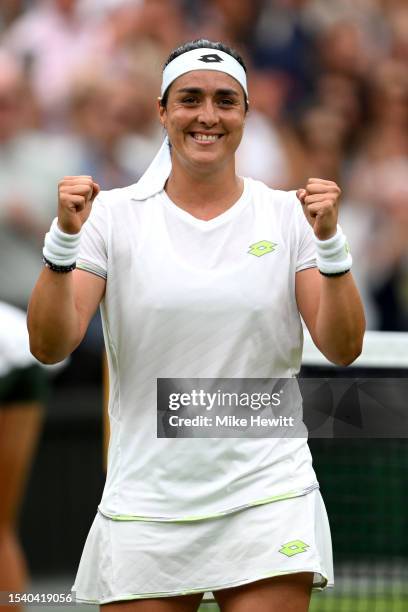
(75, 197)
(319, 200)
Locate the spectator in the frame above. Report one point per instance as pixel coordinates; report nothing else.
(30, 163)
(269, 150)
(52, 42)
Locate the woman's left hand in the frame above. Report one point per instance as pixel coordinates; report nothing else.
(319, 200)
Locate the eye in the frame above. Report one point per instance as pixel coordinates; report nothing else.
(227, 102)
(189, 100)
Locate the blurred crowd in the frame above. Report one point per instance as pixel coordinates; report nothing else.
(328, 83)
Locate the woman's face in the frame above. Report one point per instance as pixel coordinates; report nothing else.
(204, 118)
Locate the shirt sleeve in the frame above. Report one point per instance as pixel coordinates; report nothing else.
(93, 252)
(306, 247)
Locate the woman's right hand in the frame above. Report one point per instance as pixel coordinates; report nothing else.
(75, 197)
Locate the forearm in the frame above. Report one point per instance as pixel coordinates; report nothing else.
(340, 321)
(64, 300)
(53, 319)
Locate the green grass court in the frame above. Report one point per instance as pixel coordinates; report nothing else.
(330, 603)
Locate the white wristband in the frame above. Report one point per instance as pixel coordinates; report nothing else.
(333, 255)
(60, 248)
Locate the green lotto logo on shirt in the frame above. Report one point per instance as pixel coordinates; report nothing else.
(262, 248)
(294, 548)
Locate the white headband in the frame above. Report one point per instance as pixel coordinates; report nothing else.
(203, 59)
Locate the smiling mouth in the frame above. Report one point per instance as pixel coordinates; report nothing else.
(205, 138)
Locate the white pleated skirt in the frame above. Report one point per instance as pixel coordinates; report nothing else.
(149, 559)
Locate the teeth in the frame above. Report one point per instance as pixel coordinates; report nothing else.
(206, 137)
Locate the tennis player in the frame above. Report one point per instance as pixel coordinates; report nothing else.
(199, 273)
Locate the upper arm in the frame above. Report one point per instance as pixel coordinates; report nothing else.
(308, 287)
(89, 290)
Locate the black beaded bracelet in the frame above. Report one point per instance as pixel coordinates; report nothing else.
(334, 273)
(56, 268)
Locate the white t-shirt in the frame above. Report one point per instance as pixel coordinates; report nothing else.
(186, 298)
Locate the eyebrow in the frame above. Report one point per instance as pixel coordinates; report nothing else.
(198, 90)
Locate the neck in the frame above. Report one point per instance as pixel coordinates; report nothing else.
(205, 195)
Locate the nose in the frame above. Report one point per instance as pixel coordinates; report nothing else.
(208, 113)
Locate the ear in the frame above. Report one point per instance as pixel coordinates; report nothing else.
(162, 112)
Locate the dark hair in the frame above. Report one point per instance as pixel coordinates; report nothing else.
(201, 43)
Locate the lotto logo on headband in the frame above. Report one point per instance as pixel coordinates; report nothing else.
(210, 58)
